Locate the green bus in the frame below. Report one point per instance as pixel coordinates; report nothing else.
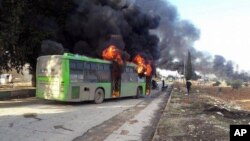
(75, 78)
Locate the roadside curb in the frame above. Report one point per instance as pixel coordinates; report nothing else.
(20, 93)
(158, 124)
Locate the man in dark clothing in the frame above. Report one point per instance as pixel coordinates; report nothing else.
(154, 84)
(163, 83)
(188, 84)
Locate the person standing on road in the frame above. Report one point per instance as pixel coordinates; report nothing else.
(163, 83)
(188, 84)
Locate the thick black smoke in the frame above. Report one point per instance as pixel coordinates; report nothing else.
(176, 36)
(132, 25)
(51, 47)
(89, 28)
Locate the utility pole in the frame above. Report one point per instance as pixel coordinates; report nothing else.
(184, 71)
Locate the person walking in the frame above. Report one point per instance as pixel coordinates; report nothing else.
(163, 85)
(188, 84)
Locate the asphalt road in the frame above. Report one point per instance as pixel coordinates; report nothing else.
(32, 119)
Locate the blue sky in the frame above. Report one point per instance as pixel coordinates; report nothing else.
(224, 26)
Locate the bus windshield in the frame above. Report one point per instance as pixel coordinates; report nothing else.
(49, 65)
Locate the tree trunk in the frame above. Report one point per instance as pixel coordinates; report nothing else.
(33, 79)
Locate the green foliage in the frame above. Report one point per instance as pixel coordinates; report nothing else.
(23, 26)
(229, 83)
(236, 84)
(217, 83)
(11, 25)
(188, 68)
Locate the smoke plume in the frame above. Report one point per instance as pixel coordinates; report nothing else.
(93, 25)
(152, 29)
(176, 36)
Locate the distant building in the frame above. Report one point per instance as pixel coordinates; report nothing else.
(12, 76)
(5, 79)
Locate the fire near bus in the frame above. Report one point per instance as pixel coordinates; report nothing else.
(76, 78)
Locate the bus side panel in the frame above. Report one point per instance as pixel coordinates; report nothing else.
(107, 89)
(94, 86)
(48, 87)
(128, 89)
(78, 91)
(65, 83)
(143, 85)
(86, 91)
(39, 92)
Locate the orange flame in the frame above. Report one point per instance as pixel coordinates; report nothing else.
(148, 92)
(140, 63)
(148, 70)
(115, 94)
(142, 67)
(112, 53)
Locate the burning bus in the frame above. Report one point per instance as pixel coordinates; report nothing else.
(113, 31)
(76, 78)
(71, 77)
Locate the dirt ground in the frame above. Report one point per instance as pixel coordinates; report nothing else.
(240, 97)
(205, 114)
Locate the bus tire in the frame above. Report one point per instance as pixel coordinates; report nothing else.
(99, 96)
(138, 92)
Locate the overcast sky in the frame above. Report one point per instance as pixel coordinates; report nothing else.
(224, 26)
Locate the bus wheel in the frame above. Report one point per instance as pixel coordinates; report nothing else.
(138, 92)
(99, 96)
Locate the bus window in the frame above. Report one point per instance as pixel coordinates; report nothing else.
(106, 67)
(125, 77)
(72, 65)
(87, 66)
(80, 66)
(93, 66)
(100, 67)
(133, 77)
(73, 77)
(132, 70)
(76, 76)
(91, 76)
(104, 74)
(127, 70)
(80, 77)
(105, 77)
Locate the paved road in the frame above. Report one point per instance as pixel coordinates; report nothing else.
(37, 120)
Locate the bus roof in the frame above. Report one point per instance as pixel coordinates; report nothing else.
(85, 58)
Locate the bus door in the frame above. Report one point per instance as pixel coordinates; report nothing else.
(116, 73)
(128, 83)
